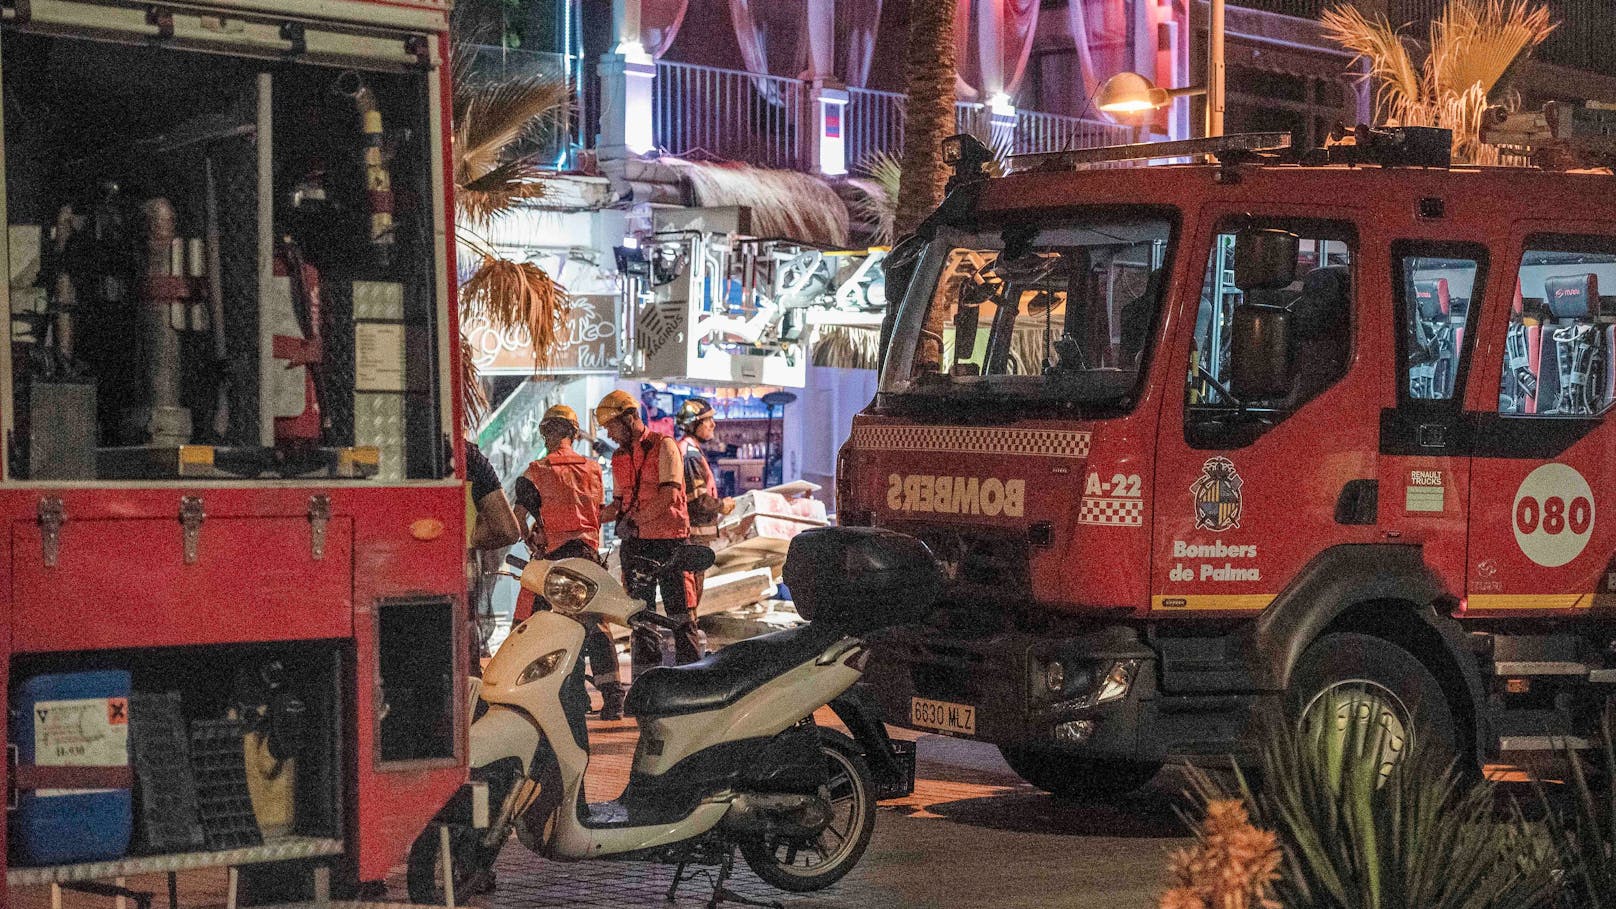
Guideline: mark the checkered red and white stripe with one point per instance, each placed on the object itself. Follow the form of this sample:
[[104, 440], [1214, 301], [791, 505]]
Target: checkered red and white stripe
[[1111, 512], [1045, 443]]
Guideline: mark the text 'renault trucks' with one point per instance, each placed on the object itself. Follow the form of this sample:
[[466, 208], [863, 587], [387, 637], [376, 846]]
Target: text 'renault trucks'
[[232, 580], [1199, 444]]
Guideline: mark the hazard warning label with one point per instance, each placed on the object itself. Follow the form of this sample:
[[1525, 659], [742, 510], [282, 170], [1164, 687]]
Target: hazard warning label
[[90, 732]]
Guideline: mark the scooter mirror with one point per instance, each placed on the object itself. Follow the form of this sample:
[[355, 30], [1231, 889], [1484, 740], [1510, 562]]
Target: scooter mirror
[[693, 558]]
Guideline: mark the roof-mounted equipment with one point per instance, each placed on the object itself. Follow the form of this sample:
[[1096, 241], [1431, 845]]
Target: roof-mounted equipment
[[1225, 149], [1561, 136], [1387, 146], [966, 156]]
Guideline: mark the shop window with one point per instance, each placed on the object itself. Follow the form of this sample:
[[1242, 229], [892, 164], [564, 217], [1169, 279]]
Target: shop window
[[1312, 316], [218, 270], [1560, 347], [1436, 290]]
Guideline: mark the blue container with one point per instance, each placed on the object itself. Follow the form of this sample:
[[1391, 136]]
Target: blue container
[[74, 719]]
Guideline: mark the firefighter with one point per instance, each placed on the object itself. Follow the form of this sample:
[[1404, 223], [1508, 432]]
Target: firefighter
[[695, 420], [491, 527], [563, 492], [648, 504]]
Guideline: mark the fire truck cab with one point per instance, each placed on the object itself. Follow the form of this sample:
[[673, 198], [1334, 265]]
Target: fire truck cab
[[1198, 444]]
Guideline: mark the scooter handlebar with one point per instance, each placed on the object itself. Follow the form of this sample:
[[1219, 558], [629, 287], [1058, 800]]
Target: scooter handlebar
[[658, 619], [516, 562]]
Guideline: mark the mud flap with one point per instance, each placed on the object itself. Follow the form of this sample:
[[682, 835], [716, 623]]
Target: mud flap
[[891, 763]]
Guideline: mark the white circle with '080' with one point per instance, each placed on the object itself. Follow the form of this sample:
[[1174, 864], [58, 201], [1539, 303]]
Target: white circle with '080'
[[1553, 515]]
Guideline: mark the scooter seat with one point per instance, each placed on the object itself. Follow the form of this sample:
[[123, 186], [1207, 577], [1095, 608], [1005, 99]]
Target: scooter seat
[[728, 675]]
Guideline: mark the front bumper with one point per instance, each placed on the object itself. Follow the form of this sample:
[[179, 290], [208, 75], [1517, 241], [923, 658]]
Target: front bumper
[[1006, 678]]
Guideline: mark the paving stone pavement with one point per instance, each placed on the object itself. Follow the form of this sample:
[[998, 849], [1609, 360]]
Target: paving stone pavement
[[972, 835]]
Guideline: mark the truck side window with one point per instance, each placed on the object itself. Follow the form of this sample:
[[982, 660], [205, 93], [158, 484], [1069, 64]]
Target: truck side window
[[1436, 288], [1317, 309], [1560, 348]]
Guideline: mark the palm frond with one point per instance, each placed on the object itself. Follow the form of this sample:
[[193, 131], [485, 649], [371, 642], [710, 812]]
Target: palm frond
[[1473, 43], [479, 200], [784, 203], [879, 204], [491, 115], [509, 294], [473, 400], [1377, 42]]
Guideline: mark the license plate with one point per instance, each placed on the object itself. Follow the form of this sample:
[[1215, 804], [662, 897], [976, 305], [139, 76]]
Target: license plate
[[943, 715]]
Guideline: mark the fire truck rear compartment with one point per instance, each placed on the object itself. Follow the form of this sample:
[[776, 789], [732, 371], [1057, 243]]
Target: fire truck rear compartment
[[199, 716], [126, 167]]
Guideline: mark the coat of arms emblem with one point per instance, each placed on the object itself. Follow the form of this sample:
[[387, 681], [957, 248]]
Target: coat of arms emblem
[[1217, 495]]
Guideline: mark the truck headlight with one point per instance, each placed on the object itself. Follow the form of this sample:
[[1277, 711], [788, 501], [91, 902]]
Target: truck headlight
[[1117, 681], [568, 593], [1055, 677]]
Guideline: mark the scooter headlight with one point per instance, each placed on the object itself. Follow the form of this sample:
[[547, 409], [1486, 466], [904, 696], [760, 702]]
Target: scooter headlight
[[567, 593], [541, 667]]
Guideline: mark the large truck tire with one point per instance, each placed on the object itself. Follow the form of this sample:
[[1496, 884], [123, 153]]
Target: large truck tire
[[1078, 779], [1379, 682]]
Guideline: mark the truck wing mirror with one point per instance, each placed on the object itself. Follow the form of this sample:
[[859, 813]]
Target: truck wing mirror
[[1259, 354], [1264, 258]]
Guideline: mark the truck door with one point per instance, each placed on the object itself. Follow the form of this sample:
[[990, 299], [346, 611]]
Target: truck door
[[1437, 289], [1541, 524], [1252, 482]]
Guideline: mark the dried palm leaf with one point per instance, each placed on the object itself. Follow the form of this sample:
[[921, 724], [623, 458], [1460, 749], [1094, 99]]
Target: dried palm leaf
[[480, 200], [1377, 42], [1473, 43], [473, 399], [784, 203], [491, 115], [520, 295]]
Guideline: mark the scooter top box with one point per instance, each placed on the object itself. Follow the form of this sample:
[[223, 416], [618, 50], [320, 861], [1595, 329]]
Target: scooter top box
[[861, 579]]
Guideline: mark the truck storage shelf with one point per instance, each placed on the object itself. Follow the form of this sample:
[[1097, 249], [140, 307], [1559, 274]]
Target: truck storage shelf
[[277, 850]]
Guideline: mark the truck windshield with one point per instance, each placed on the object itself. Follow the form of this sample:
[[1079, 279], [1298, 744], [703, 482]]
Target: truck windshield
[[1062, 311]]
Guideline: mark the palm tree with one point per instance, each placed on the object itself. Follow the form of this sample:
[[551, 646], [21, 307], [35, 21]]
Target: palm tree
[[1473, 43], [929, 115], [491, 118]]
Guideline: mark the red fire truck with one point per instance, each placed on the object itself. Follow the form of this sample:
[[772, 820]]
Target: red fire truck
[[231, 470], [1201, 443]]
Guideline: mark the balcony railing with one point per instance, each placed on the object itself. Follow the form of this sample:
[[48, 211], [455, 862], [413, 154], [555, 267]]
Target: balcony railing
[[730, 114], [1036, 132], [873, 122]]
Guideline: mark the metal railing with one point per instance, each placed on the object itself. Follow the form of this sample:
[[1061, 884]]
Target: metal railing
[[703, 110], [872, 122], [1038, 132]]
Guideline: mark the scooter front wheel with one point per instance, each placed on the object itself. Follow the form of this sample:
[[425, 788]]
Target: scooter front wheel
[[803, 865], [472, 863]]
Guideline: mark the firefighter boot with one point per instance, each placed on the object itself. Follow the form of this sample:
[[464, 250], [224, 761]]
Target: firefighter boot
[[611, 700]]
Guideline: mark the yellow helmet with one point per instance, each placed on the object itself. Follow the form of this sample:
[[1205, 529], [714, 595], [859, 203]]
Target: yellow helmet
[[563, 413], [691, 412], [614, 405]]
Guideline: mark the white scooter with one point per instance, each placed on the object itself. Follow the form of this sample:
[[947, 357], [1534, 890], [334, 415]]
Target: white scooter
[[729, 756]]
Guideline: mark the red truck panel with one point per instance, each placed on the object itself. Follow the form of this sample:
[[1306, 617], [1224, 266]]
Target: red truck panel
[[125, 583]]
